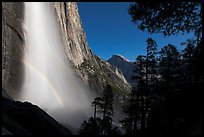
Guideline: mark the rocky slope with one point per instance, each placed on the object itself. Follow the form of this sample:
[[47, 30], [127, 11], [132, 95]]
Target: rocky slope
[[125, 66], [98, 76], [26, 119]]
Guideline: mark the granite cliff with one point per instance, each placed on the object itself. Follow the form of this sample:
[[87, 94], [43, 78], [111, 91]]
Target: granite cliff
[[75, 46], [12, 46], [74, 38], [86, 64], [94, 71]]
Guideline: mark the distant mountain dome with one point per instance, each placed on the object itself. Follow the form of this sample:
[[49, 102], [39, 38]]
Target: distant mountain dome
[[122, 57], [125, 66]]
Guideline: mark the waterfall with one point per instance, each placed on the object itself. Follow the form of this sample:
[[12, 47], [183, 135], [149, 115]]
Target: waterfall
[[49, 80]]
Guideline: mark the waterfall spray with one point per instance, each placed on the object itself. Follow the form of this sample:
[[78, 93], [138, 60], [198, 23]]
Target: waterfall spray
[[49, 80]]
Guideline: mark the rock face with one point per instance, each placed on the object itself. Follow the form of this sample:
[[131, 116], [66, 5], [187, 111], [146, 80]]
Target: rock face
[[5, 95], [12, 45], [98, 76], [86, 64], [73, 35], [75, 46], [125, 66]]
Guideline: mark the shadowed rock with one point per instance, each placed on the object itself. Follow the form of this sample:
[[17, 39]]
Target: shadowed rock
[[24, 118]]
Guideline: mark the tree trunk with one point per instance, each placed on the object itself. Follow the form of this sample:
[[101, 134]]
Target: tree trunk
[[104, 112], [95, 112], [143, 114]]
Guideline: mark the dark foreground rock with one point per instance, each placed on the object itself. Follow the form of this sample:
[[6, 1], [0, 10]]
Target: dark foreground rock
[[24, 118]]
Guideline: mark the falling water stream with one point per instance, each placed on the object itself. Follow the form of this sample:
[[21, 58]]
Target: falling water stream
[[49, 80]]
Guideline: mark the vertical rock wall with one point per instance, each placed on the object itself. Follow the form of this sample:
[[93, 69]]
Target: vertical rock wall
[[74, 44], [73, 35], [12, 45]]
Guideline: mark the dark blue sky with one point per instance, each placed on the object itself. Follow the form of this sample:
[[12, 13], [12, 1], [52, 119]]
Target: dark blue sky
[[109, 31]]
